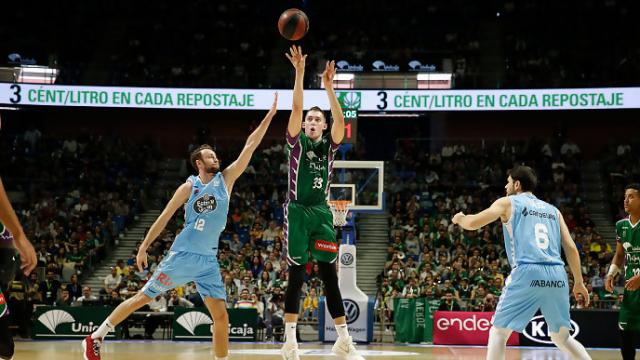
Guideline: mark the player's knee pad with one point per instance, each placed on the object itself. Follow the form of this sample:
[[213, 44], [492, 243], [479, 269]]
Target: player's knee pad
[[329, 276], [292, 295]]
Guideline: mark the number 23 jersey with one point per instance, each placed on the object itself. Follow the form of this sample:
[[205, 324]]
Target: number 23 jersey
[[310, 168], [205, 216]]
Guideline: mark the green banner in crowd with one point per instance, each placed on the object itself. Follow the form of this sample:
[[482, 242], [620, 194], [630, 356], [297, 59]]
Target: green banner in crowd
[[192, 324], [413, 319], [78, 322], [68, 322]]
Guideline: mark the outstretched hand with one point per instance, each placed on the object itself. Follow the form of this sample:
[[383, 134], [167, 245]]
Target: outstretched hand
[[274, 107], [329, 73], [296, 57]]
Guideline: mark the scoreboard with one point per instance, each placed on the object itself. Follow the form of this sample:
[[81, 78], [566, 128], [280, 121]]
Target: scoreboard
[[350, 126]]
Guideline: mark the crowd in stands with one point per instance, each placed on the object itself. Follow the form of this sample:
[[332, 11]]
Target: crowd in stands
[[76, 197], [430, 257], [486, 46], [79, 212], [553, 56], [620, 168]]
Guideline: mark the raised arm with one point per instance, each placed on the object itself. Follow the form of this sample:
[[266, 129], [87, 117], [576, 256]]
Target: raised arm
[[500, 208], [233, 171], [573, 258], [337, 128], [10, 220], [295, 119], [179, 198]]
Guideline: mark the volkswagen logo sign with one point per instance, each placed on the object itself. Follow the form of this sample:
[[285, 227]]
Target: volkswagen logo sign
[[538, 331], [346, 259], [351, 310]]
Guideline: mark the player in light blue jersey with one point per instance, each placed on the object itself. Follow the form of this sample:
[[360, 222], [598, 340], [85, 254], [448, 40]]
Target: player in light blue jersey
[[193, 254], [534, 232]]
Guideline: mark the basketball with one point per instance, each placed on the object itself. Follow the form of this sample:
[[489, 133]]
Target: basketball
[[293, 24]]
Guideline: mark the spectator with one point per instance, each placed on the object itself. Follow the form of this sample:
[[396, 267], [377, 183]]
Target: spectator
[[245, 301], [246, 284], [111, 282], [259, 307], [87, 297], [256, 266], [74, 288], [411, 290], [570, 148], [270, 234], [580, 303], [310, 305], [449, 303], [489, 303], [132, 258], [34, 296], [151, 322], [175, 300], [235, 244], [65, 298], [49, 288], [114, 299], [121, 269], [412, 243], [275, 307]]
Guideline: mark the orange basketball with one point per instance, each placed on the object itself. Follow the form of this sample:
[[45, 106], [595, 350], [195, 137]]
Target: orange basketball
[[293, 24]]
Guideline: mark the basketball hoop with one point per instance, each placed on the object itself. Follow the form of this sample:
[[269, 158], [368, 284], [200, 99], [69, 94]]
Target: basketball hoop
[[339, 209]]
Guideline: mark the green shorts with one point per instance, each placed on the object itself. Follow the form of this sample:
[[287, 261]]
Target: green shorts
[[629, 317], [308, 231]]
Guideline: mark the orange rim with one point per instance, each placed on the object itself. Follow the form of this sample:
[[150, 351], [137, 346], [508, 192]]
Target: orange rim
[[340, 204]]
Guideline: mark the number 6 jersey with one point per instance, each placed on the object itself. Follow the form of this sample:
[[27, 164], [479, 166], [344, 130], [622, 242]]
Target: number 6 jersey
[[205, 216], [310, 167], [532, 234]]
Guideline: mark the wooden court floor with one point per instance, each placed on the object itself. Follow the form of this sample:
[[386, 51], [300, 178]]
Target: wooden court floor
[[164, 350]]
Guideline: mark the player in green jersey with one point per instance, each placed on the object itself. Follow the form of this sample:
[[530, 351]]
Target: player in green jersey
[[308, 224], [628, 253]]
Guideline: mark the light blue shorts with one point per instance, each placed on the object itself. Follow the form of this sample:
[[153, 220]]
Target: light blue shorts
[[531, 287], [179, 268]]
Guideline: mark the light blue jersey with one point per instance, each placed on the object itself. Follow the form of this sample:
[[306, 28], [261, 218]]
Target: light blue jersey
[[193, 254], [205, 217], [538, 280], [532, 234]]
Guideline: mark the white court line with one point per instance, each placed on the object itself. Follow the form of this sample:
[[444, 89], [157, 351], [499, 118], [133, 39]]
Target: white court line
[[321, 352]]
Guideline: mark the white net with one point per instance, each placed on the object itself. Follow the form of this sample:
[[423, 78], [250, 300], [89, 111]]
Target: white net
[[339, 209]]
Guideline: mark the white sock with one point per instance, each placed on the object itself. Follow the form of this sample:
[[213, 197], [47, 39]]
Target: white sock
[[343, 331], [103, 330], [497, 343], [569, 345], [290, 332]]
